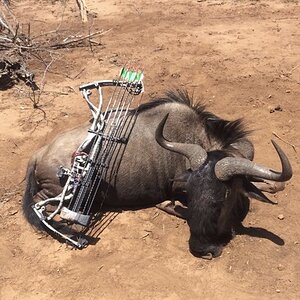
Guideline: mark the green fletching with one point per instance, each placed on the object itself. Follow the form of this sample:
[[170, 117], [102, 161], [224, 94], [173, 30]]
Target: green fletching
[[127, 76], [131, 76], [123, 72], [139, 76]]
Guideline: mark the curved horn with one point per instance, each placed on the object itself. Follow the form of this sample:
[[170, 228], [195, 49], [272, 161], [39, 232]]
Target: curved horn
[[194, 153], [230, 166]]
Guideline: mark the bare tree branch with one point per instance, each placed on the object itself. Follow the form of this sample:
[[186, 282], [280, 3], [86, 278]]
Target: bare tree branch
[[83, 10], [288, 143]]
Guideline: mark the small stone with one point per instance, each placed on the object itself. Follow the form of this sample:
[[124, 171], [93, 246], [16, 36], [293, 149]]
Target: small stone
[[175, 75], [280, 267], [12, 212], [270, 96], [288, 91], [277, 290], [159, 48], [280, 217], [272, 109]]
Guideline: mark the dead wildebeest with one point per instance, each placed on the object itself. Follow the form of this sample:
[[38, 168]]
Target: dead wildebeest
[[174, 147]]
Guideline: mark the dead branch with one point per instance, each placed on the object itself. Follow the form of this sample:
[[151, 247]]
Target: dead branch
[[83, 10], [5, 25], [42, 85], [37, 94], [76, 41], [10, 43], [17, 46], [288, 143]]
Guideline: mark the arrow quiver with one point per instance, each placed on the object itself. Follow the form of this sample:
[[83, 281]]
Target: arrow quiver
[[93, 160]]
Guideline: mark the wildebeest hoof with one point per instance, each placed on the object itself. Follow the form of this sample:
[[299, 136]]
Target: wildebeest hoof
[[165, 204], [208, 256], [171, 208]]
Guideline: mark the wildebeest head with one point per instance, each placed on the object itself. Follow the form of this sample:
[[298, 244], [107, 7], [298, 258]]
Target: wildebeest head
[[218, 185]]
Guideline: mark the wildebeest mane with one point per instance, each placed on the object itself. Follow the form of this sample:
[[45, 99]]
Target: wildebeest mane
[[226, 132]]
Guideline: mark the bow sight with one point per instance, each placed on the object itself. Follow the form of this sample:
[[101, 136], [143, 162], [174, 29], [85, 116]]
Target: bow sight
[[93, 158]]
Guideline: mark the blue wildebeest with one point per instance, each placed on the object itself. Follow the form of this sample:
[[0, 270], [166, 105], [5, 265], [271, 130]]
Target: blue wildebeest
[[175, 147]]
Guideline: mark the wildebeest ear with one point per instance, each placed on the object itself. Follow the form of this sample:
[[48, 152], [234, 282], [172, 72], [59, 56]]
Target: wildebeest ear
[[183, 177], [250, 190]]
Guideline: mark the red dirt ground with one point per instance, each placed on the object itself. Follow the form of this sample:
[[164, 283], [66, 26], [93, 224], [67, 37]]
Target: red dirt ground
[[243, 59]]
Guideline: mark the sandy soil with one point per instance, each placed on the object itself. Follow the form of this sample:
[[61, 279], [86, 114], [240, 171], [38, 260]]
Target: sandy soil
[[242, 58]]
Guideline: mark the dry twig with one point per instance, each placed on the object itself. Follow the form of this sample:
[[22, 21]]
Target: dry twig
[[77, 40], [288, 143], [83, 10], [17, 45], [36, 94]]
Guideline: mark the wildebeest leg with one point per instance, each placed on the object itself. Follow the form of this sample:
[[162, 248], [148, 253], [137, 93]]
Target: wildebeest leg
[[270, 186], [174, 208]]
